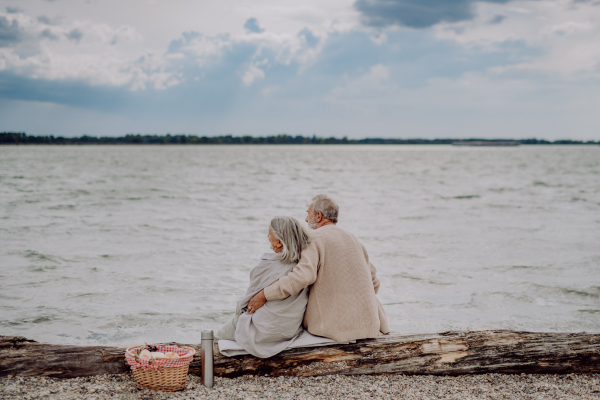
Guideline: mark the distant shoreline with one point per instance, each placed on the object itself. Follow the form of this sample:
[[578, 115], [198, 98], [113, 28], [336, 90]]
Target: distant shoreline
[[20, 138]]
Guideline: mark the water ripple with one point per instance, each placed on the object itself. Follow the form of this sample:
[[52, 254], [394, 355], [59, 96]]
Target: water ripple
[[111, 244]]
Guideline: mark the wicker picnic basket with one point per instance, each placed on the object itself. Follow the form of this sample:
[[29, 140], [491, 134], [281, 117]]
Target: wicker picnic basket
[[164, 374]]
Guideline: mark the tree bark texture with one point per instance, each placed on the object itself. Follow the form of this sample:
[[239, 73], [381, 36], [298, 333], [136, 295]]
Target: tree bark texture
[[448, 353]]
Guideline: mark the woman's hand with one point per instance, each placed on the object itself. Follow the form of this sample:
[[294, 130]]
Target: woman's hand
[[257, 301]]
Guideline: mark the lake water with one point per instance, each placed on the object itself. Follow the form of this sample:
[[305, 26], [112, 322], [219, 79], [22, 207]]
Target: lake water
[[126, 244]]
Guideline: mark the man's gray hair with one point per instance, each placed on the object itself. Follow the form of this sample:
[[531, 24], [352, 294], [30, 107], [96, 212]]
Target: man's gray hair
[[293, 237], [326, 206]]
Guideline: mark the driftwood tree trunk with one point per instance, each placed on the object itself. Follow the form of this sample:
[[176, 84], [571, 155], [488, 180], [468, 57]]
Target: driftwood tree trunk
[[449, 353]]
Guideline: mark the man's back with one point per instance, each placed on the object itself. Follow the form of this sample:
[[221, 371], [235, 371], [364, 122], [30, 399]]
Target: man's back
[[342, 304]]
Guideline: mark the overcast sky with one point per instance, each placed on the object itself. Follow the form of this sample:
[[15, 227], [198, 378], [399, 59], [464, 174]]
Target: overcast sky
[[358, 68]]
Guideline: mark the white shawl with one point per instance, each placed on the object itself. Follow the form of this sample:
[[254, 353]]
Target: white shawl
[[276, 325]]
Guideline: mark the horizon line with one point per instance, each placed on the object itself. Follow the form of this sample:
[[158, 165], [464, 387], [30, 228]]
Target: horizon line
[[285, 139]]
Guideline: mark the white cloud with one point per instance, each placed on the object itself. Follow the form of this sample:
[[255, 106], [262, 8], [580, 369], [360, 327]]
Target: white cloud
[[252, 73], [379, 38], [106, 38], [80, 50], [202, 48], [570, 27], [282, 48], [126, 34], [99, 42], [567, 34]]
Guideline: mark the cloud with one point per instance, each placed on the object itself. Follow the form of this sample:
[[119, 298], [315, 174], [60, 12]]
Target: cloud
[[186, 38], [47, 33], [84, 51], [553, 37], [310, 39], [570, 27], [80, 51], [44, 20], [497, 19], [126, 34], [252, 73], [74, 35], [415, 13], [252, 26], [73, 93], [255, 54], [9, 32], [13, 10]]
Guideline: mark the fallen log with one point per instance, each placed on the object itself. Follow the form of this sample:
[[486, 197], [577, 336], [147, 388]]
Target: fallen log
[[448, 353]]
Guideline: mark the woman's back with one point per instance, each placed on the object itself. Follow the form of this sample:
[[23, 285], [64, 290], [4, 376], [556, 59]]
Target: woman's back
[[278, 323]]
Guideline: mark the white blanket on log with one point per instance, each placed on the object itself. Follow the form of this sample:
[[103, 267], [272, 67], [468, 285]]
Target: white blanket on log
[[230, 348]]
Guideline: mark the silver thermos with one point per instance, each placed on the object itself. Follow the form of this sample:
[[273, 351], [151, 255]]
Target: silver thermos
[[207, 356]]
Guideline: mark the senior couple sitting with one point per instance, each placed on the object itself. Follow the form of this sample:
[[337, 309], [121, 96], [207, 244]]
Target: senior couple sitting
[[321, 280]]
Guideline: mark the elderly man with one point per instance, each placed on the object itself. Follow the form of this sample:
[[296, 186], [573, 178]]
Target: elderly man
[[342, 304]]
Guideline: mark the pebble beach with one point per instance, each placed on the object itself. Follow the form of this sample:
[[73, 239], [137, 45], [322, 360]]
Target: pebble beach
[[488, 386]]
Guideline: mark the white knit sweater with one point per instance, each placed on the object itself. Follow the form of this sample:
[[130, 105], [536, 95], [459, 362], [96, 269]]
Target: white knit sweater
[[342, 304]]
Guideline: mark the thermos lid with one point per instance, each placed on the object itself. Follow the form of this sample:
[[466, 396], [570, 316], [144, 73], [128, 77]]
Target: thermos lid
[[207, 335]]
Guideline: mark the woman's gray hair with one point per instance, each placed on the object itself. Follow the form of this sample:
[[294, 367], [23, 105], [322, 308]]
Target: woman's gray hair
[[326, 206], [293, 237]]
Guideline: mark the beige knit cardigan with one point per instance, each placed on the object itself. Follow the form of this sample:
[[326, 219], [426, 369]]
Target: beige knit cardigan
[[342, 304]]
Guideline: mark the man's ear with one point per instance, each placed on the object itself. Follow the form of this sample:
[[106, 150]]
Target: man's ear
[[319, 217]]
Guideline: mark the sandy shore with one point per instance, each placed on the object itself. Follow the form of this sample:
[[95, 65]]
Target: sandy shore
[[489, 386]]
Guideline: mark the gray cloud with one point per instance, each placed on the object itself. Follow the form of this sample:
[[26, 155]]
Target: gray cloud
[[44, 20], [497, 19], [68, 92], [47, 33], [252, 26], [74, 35], [9, 32], [415, 13], [13, 10]]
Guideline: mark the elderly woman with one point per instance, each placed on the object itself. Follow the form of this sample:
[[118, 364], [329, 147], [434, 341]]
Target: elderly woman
[[275, 326]]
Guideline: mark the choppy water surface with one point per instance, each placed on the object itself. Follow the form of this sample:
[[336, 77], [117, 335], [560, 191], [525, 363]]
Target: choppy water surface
[[142, 243]]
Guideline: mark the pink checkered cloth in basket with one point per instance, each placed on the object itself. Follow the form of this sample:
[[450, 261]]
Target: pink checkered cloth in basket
[[146, 363]]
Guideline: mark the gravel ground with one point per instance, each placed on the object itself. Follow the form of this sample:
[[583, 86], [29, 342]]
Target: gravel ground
[[490, 386]]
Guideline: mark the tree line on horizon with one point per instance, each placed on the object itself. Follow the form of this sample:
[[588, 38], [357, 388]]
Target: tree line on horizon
[[23, 138]]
